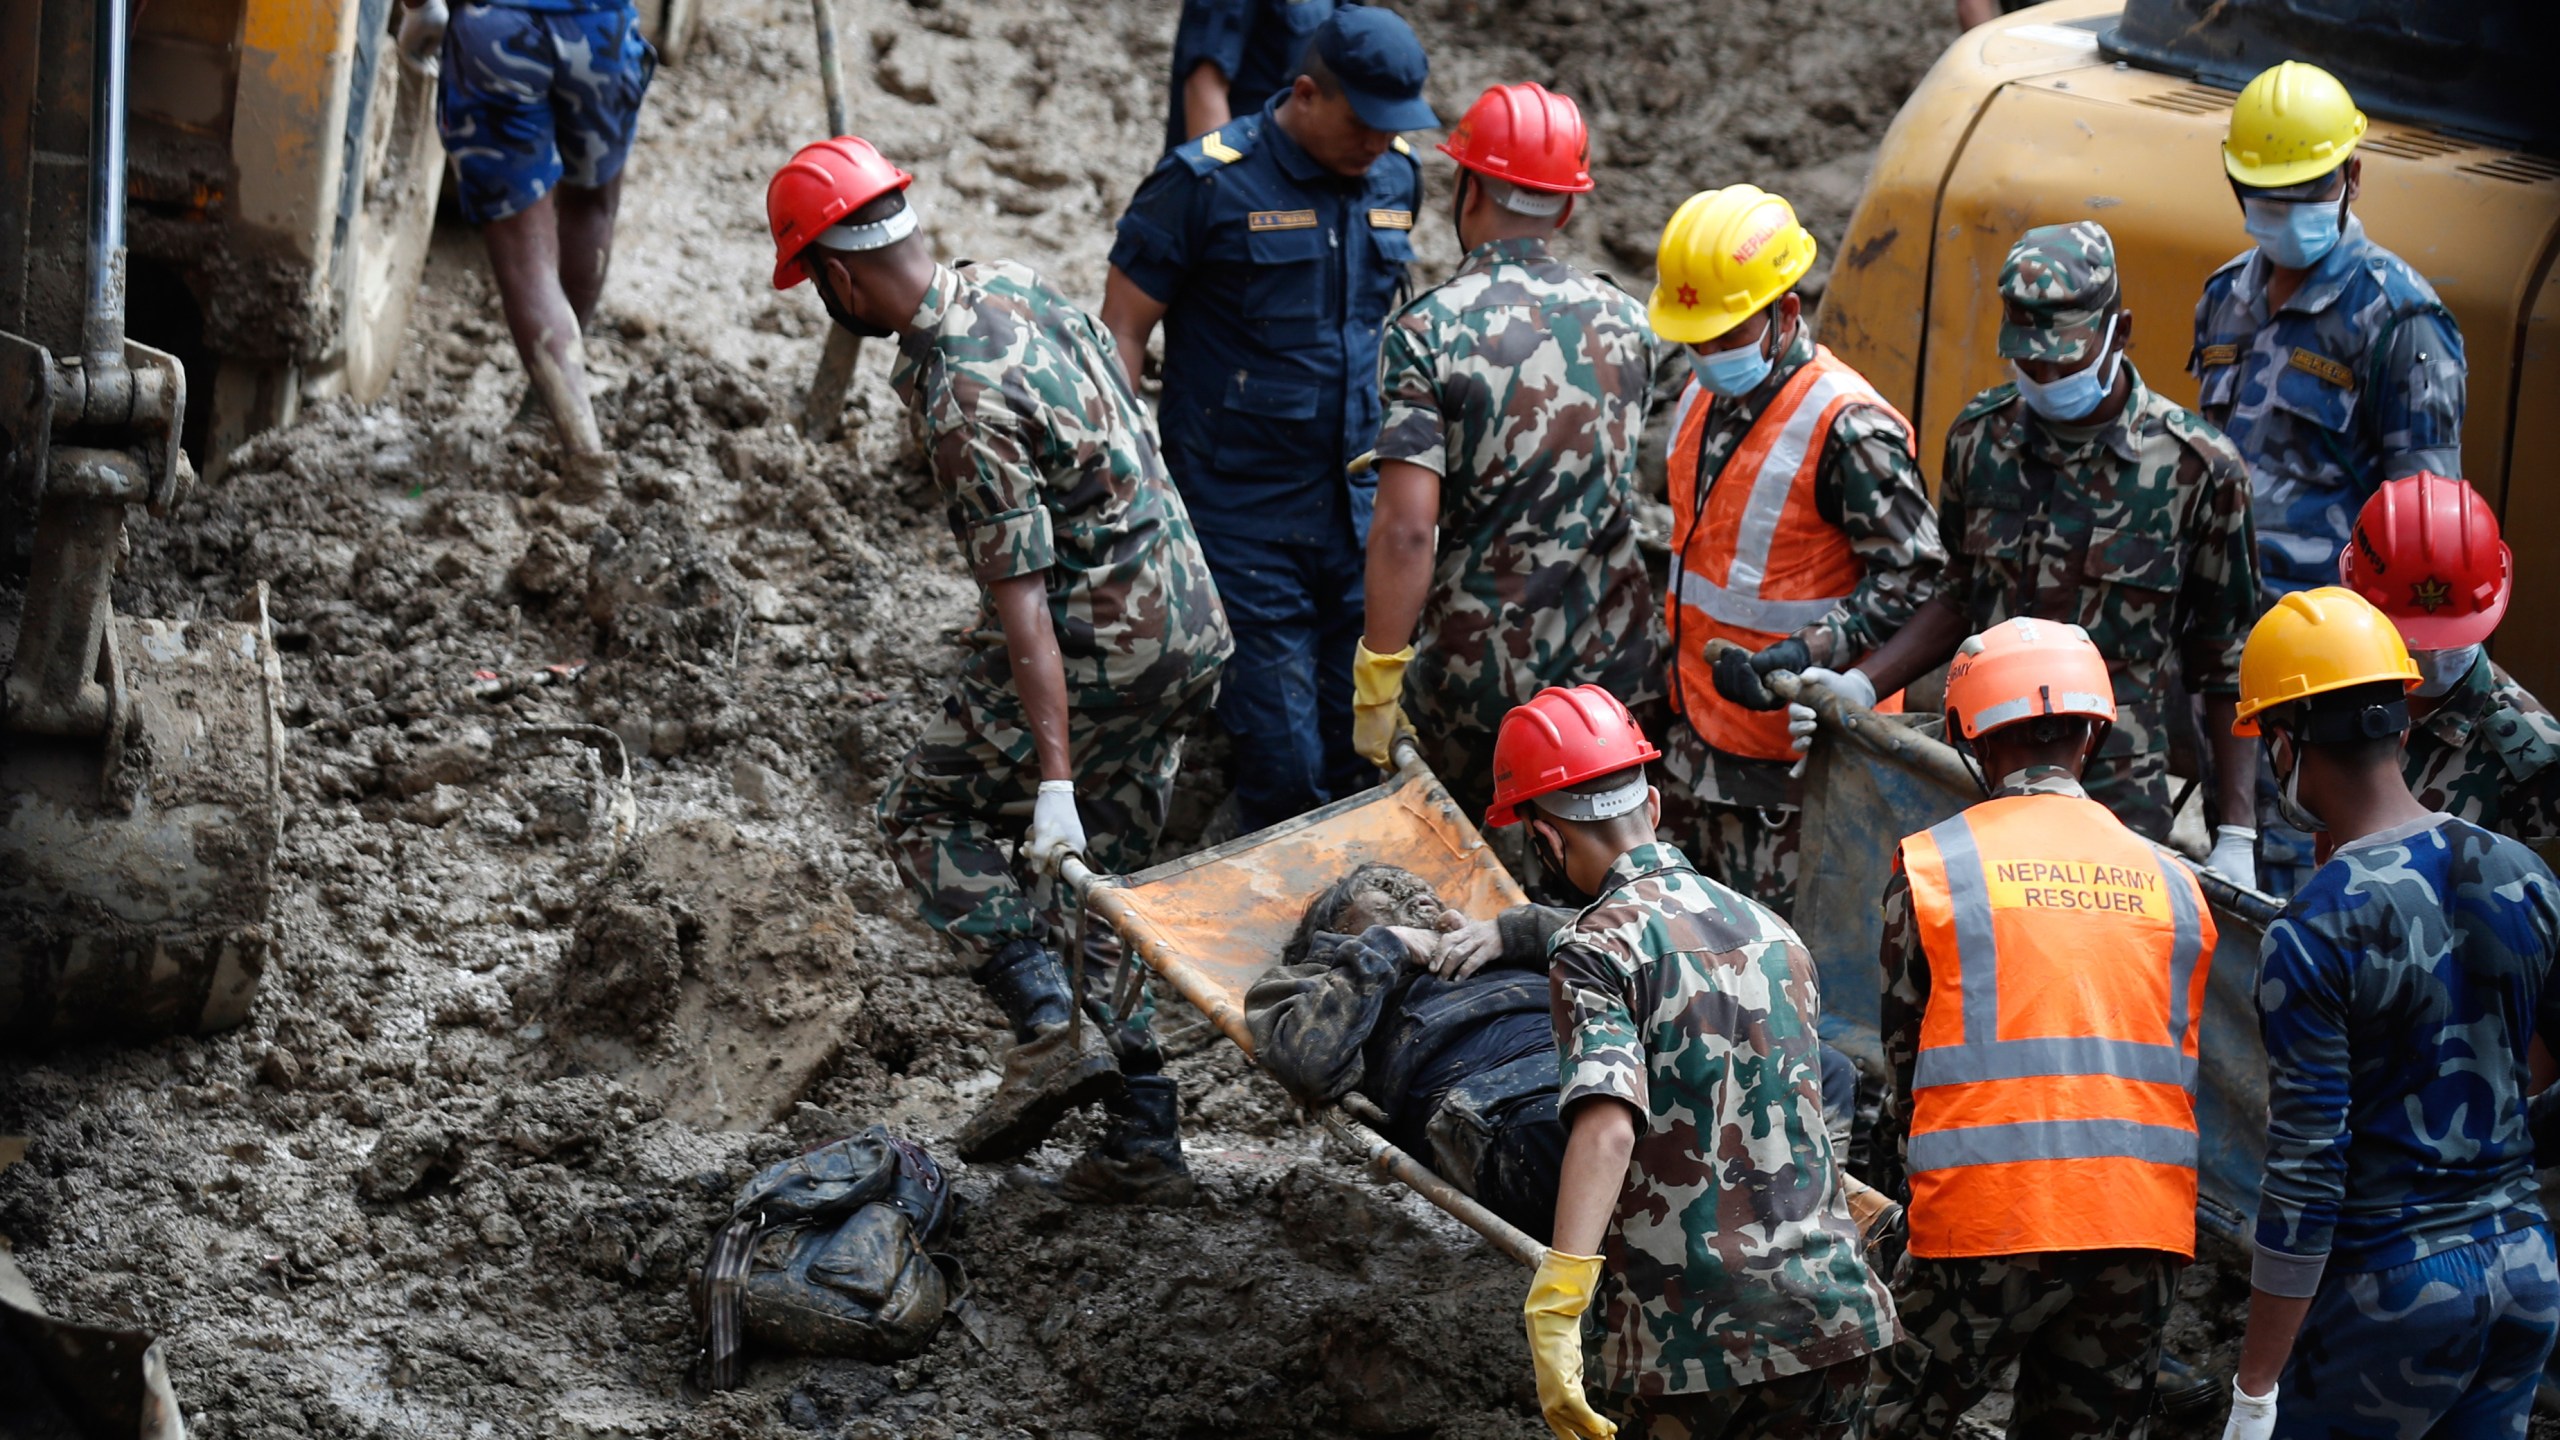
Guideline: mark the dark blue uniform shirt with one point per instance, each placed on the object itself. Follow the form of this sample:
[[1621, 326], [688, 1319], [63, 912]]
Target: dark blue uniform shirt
[[1279, 275], [1256, 43]]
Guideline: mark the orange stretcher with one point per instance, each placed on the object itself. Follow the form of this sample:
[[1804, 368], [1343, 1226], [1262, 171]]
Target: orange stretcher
[[1212, 922]]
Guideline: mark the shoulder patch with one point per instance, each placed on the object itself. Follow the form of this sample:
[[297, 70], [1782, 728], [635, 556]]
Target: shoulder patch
[[2212, 355], [2311, 362], [1216, 148], [1220, 147], [2525, 746], [1401, 147]]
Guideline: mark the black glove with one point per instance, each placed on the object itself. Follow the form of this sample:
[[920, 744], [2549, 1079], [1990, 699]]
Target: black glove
[[1738, 675]]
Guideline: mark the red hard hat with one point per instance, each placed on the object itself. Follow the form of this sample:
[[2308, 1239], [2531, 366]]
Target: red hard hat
[[2022, 668], [823, 183], [1526, 134], [1561, 738], [2426, 552]]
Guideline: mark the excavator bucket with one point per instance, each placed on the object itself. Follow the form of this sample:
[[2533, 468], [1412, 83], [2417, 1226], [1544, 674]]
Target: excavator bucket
[[138, 758]]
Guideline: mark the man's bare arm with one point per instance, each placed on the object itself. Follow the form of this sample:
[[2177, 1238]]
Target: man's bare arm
[[1925, 641], [1402, 534], [2235, 763], [1039, 674], [1601, 1136], [1131, 315], [1204, 100]]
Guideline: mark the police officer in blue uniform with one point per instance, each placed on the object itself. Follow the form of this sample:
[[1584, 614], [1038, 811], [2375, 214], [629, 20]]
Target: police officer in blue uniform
[[1272, 249], [1229, 56]]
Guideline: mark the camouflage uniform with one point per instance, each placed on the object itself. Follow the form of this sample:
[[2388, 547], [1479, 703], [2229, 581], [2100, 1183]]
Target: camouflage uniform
[[2356, 379], [2137, 530], [2085, 1327], [2397, 995], [1730, 1260], [1521, 383], [1047, 464], [2489, 753], [1740, 813]]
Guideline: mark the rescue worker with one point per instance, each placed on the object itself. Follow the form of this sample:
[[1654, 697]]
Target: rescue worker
[[2326, 358], [2077, 493], [1096, 650], [1272, 249], [2044, 991], [1800, 527], [2399, 994], [537, 103], [2426, 552], [1229, 56], [1514, 399], [1701, 1201]]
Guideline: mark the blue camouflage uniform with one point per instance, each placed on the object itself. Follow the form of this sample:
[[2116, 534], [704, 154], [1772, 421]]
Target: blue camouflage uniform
[[2356, 379], [2397, 995], [536, 94], [1279, 275], [1256, 43]]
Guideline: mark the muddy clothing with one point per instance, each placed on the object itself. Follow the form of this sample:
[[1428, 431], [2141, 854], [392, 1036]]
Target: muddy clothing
[[535, 94], [1458, 1066], [2452, 1344], [1731, 1258], [2084, 1328], [1521, 383], [2137, 531], [2489, 753], [1047, 465], [1256, 44], [2397, 994], [1817, 1405]]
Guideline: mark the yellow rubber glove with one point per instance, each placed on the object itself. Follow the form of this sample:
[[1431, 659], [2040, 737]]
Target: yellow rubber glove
[[1377, 682], [1557, 1297]]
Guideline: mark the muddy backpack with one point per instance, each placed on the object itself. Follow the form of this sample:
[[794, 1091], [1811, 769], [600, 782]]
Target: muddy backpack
[[826, 1254]]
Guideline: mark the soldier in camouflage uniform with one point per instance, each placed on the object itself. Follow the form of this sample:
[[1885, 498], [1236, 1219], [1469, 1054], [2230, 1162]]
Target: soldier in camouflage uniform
[[1096, 650], [1700, 1201], [2327, 359], [2125, 514], [2400, 995], [1514, 398]]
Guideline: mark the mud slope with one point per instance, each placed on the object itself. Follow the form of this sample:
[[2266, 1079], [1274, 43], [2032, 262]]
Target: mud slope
[[529, 1028]]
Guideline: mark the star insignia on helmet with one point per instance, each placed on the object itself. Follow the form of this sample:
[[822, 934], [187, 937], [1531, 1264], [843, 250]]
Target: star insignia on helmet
[[1689, 297], [2431, 594]]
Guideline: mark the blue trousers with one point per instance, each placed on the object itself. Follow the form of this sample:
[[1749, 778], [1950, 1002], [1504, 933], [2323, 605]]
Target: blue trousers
[[1297, 611], [2449, 1347]]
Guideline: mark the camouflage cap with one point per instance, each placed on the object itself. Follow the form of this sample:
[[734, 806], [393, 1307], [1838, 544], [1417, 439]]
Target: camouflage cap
[[2056, 291]]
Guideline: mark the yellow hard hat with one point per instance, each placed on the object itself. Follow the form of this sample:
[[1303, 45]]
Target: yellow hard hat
[[2291, 124], [2315, 641], [1725, 254]]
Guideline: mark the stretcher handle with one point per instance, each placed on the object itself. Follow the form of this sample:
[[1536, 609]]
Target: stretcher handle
[[1423, 1181], [1937, 761]]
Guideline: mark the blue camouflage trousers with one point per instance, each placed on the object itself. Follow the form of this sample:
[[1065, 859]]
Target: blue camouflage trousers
[[2448, 1347], [533, 99]]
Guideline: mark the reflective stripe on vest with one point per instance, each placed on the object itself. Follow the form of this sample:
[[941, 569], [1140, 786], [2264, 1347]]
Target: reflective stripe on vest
[[1769, 527], [2054, 1111]]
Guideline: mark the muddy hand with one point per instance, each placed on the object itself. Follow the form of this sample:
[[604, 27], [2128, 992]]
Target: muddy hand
[[1467, 950]]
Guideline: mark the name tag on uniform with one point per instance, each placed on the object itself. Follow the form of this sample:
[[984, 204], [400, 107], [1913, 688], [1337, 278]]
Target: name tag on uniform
[[2324, 367], [2213, 355], [1390, 219], [1281, 220]]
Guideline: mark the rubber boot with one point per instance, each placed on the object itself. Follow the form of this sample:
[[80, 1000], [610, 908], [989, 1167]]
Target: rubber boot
[[1138, 1160], [1053, 1066]]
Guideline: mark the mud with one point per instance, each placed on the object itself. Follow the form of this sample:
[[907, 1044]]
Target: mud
[[584, 914]]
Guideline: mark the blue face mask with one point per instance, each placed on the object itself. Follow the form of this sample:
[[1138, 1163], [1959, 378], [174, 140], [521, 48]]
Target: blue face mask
[[2293, 233], [2075, 395], [1737, 371]]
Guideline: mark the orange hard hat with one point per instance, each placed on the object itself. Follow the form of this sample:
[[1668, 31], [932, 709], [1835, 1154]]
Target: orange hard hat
[[823, 183], [2020, 669], [2426, 552], [1561, 738], [1526, 134]]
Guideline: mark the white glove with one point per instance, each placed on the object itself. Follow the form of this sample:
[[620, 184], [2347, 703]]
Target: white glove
[[2253, 1417], [1853, 687], [422, 31], [1056, 830], [2235, 855]]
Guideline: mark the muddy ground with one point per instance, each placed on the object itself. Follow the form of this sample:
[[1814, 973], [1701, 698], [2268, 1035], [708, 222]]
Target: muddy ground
[[514, 1055]]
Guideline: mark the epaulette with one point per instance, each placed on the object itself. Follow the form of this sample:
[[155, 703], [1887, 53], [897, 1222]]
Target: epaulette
[[2201, 435], [1225, 145], [1993, 399], [2518, 741], [1401, 148]]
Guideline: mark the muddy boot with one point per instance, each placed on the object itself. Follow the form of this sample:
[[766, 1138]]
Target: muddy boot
[[1053, 1067], [1138, 1161]]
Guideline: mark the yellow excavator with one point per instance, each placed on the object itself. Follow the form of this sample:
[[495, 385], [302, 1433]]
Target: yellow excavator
[[2114, 111]]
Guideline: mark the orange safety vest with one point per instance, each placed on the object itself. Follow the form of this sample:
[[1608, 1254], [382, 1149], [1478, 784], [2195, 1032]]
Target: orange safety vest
[[1755, 562], [2053, 1106]]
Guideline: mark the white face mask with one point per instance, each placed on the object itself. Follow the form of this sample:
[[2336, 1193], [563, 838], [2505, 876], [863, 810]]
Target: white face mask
[[2288, 795], [2440, 670]]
